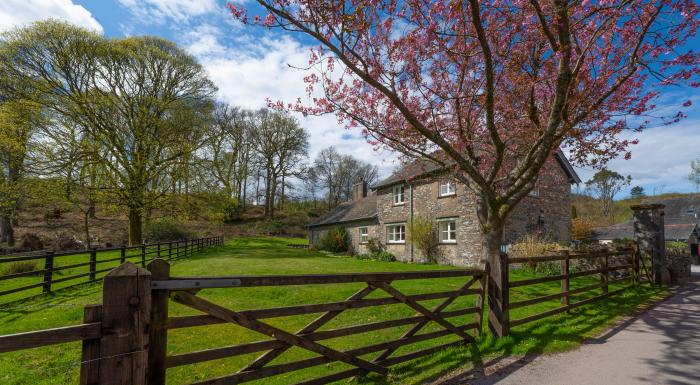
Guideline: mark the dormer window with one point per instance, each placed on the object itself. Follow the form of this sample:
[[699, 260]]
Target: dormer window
[[398, 195], [447, 188], [690, 211]]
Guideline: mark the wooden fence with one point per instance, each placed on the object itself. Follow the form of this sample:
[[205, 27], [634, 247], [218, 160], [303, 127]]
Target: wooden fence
[[627, 266], [86, 265], [125, 338]]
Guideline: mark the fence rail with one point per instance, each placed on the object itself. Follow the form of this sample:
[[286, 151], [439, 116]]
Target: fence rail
[[180, 290], [125, 338], [89, 264], [117, 344], [632, 266]]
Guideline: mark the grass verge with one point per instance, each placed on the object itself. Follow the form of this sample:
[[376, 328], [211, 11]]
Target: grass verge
[[264, 256]]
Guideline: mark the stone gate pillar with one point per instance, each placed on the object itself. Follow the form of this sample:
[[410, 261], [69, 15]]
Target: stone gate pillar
[[649, 236]]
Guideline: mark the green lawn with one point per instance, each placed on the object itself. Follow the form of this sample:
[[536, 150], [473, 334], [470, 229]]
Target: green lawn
[[251, 256]]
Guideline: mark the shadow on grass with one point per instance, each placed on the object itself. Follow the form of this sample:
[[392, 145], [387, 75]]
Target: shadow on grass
[[562, 332]]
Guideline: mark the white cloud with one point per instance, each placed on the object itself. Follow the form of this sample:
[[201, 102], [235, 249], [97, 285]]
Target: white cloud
[[15, 13], [158, 11], [251, 69], [661, 160]]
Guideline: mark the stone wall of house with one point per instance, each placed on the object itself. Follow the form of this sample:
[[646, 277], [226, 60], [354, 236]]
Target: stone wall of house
[[353, 230], [546, 212], [424, 196]]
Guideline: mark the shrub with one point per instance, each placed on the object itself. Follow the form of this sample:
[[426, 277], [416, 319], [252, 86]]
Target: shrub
[[423, 236], [383, 256], [20, 267], [163, 230], [335, 240], [532, 246], [677, 247], [374, 246], [581, 229]]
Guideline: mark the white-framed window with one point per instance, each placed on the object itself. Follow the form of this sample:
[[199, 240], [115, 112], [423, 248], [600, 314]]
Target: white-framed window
[[447, 229], [364, 234], [447, 188], [398, 195], [396, 233]]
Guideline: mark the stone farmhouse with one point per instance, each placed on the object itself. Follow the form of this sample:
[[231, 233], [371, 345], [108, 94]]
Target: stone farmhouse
[[422, 188]]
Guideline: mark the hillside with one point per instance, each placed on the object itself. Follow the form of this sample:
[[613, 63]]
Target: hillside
[[591, 209], [109, 227]]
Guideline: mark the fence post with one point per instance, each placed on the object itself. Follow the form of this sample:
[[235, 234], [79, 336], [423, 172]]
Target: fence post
[[604, 274], [90, 367], [93, 264], [564, 271], [143, 255], [126, 308], [635, 264], [48, 272], [122, 255], [158, 337], [158, 251], [186, 244], [499, 313], [480, 300], [170, 251]]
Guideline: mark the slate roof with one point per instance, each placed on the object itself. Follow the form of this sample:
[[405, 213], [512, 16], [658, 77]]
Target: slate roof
[[365, 208], [680, 209], [420, 167], [672, 231]]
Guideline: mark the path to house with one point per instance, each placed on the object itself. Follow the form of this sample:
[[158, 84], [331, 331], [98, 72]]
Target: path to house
[[661, 346]]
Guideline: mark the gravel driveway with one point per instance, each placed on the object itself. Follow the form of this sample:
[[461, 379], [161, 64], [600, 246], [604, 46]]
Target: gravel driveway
[[661, 346]]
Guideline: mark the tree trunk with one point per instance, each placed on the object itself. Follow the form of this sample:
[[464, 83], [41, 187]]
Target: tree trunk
[[498, 278], [7, 232], [135, 226], [91, 210], [86, 224]]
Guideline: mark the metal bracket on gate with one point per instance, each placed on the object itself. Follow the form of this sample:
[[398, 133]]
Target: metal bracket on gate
[[185, 284]]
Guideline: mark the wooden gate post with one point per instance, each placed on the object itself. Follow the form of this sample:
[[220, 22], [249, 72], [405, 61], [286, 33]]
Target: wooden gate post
[[498, 299], [90, 361], [143, 255], [158, 336], [126, 317]]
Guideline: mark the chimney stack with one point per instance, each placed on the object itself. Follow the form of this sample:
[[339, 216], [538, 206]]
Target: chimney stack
[[359, 190]]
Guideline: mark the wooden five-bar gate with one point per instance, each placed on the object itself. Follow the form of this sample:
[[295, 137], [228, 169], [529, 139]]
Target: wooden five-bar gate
[[125, 338]]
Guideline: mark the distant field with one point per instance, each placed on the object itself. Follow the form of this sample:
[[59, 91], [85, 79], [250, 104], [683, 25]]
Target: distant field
[[253, 256]]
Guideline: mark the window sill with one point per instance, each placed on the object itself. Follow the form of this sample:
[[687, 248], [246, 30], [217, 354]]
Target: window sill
[[400, 204], [396, 243], [447, 195], [447, 242]]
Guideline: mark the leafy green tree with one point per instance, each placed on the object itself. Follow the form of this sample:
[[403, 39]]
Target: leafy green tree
[[605, 184], [142, 100], [19, 119], [694, 175], [280, 145], [637, 192]]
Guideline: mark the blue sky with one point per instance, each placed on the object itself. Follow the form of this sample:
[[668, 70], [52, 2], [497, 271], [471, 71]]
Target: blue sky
[[249, 65]]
